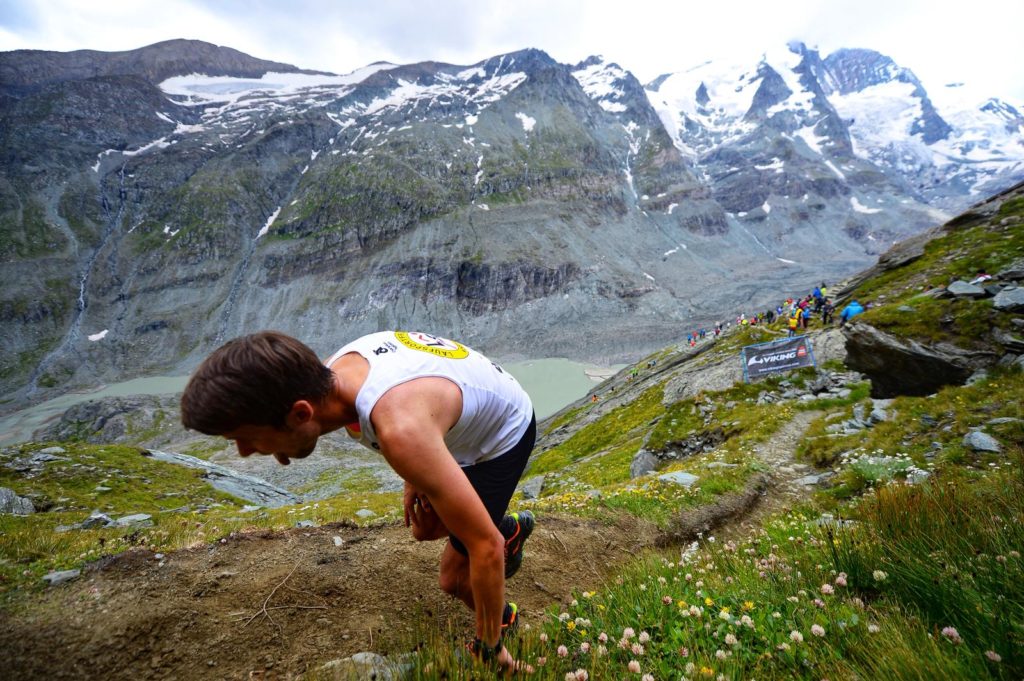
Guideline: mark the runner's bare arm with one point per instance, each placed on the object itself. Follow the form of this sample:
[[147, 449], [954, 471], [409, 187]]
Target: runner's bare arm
[[411, 420]]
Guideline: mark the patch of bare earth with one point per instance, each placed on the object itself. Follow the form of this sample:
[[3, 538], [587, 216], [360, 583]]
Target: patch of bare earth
[[281, 603]]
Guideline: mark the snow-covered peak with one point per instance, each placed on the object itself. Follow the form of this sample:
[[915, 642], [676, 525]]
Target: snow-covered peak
[[199, 87], [603, 83]]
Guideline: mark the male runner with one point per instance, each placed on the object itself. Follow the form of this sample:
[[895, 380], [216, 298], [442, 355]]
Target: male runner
[[455, 426]]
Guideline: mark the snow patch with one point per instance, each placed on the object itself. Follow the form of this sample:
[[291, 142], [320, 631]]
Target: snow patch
[[861, 208], [527, 121], [99, 336], [788, 262], [270, 221]]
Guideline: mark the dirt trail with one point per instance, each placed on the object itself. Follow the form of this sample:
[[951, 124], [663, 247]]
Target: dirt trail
[[135, 618], [783, 490], [197, 613]]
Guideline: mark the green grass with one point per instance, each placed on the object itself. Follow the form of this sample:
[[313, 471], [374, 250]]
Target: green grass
[[185, 511]]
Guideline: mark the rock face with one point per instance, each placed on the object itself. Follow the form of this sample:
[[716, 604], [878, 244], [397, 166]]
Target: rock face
[[242, 486], [148, 215], [905, 367]]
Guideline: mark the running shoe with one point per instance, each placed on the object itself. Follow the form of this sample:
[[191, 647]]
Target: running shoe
[[509, 620], [516, 528]]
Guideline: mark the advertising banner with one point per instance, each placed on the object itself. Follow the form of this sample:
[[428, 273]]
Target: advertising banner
[[781, 355]]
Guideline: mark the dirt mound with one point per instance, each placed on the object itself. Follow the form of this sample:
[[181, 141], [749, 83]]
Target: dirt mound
[[281, 603]]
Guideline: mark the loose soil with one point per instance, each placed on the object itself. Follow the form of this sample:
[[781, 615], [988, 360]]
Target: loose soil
[[278, 604], [198, 613]]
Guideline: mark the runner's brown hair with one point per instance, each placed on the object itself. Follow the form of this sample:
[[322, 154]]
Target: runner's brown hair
[[253, 380]]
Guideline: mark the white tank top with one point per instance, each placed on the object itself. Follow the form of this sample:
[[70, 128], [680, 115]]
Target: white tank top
[[496, 411]]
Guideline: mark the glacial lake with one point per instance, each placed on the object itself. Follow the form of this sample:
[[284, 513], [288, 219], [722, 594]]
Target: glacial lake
[[551, 383]]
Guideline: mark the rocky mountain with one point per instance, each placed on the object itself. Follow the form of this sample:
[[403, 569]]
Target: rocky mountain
[[526, 207]]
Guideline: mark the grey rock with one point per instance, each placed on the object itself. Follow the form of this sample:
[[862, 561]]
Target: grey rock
[[720, 464], [61, 577], [306, 523], [1018, 322], [843, 393], [13, 504], [644, 462], [834, 428], [134, 520], [977, 377], [681, 478], [807, 398], [246, 487], [905, 308], [1008, 340], [1013, 272], [52, 451], [877, 415], [978, 441], [810, 480], [858, 412], [365, 513], [532, 487], [366, 666], [101, 488], [96, 519], [898, 366], [917, 476], [1009, 300], [928, 420], [43, 457], [1003, 419], [961, 289]]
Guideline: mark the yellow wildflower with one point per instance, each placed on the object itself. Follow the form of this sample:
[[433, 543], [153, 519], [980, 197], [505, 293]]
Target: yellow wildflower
[[708, 601], [748, 605], [570, 625]]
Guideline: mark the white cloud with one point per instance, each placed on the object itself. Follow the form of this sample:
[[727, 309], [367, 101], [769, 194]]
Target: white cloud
[[979, 44]]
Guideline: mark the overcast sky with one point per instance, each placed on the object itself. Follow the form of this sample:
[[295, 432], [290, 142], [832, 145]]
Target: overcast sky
[[973, 41]]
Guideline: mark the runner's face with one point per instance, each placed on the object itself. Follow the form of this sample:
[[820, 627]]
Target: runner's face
[[282, 443]]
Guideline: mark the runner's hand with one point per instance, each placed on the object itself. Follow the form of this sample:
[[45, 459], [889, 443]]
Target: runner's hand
[[510, 664]]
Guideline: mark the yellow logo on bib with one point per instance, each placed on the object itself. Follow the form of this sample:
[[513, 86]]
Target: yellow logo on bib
[[435, 345]]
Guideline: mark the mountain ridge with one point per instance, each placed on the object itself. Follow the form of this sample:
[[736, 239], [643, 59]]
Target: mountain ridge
[[519, 204]]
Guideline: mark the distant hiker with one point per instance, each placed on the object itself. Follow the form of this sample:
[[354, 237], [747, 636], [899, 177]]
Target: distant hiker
[[980, 277], [824, 290], [827, 310], [456, 427], [805, 317], [849, 312], [593, 398], [794, 322]]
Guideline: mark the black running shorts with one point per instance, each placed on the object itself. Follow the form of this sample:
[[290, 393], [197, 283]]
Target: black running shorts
[[495, 480]]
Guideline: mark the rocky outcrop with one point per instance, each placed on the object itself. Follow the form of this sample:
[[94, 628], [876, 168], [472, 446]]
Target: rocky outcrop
[[243, 486], [898, 366]]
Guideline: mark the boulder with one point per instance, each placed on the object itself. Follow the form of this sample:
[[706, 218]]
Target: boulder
[[1009, 300], [60, 577], [1014, 272], [898, 366], [134, 520], [1008, 340], [981, 442], [961, 289], [679, 478], [531, 487], [643, 463], [96, 519], [366, 667], [365, 513], [13, 504]]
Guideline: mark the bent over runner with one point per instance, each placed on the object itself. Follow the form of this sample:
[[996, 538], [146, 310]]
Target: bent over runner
[[454, 425]]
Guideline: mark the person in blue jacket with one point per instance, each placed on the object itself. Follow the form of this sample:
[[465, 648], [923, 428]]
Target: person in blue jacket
[[850, 311]]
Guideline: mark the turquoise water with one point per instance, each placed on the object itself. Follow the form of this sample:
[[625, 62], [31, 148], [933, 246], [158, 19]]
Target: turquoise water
[[551, 383]]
